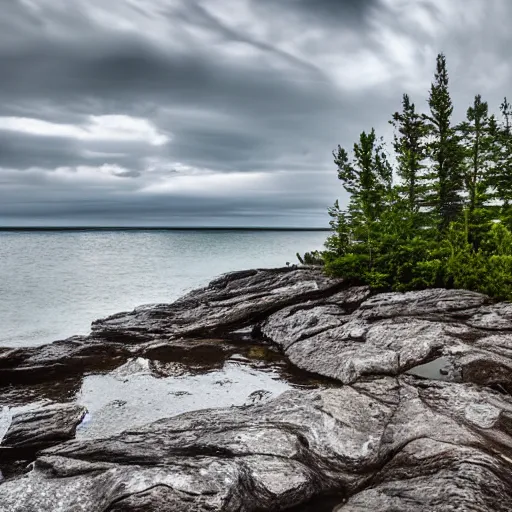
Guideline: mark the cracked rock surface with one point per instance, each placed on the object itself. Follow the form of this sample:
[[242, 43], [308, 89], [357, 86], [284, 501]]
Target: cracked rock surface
[[417, 415], [43, 427], [389, 334]]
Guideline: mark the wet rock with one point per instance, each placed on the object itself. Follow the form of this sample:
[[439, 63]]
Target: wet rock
[[40, 428], [420, 418], [231, 302], [434, 303], [429, 475], [401, 437], [260, 395], [59, 359], [392, 333], [494, 317]]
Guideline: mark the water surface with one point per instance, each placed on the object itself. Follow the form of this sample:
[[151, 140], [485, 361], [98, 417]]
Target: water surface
[[54, 284], [211, 373]]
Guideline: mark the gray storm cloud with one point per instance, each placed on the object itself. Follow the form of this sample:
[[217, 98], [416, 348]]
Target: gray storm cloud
[[218, 112]]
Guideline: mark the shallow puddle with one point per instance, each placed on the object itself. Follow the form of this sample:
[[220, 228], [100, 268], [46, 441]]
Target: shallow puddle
[[438, 369], [130, 398], [168, 381]]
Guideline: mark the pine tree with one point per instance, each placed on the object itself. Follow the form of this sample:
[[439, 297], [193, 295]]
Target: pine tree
[[454, 178], [476, 140], [410, 152], [444, 150], [339, 242], [367, 177], [506, 111], [503, 174]]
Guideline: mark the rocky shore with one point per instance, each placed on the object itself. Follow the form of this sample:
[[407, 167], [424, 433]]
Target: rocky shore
[[393, 402]]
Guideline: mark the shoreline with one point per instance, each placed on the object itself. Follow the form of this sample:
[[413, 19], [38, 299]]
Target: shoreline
[[415, 403]]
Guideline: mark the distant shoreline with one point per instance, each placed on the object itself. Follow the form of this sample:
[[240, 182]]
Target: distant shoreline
[[151, 228]]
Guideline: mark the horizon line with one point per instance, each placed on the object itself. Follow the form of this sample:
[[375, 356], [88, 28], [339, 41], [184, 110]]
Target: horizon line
[[159, 228]]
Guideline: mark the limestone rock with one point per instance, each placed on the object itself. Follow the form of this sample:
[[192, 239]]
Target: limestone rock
[[398, 437], [392, 333], [230, 302]]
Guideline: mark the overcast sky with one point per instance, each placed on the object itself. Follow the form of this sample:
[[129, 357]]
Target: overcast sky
[[217, 112]]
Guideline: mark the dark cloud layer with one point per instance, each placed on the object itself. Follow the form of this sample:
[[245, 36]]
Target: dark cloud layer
[[180, 112]]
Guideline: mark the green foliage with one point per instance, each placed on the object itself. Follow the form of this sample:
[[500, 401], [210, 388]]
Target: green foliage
[[351, 266], [366, 177], [476, 145], [340, 239], [503, 161], [410, 148], [488, 270], [447, 220], [311, 258], [444, 150]]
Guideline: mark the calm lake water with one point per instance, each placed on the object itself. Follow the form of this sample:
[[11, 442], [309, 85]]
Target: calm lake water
[[54, 284]]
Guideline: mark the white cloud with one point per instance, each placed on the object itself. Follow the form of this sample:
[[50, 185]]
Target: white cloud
[[120, 128], [194, 182]]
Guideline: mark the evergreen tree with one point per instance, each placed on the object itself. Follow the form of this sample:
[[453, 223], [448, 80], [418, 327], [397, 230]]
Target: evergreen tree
[[367, 177], [506, 111], [478, 142], [377, 239], [503, 174], [410, 152], [477, 147], [444, 150], [338, 243]]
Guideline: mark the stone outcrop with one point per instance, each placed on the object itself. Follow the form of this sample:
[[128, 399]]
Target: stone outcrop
[[43, 427], [389, 334], [230, 302], [379, 437]]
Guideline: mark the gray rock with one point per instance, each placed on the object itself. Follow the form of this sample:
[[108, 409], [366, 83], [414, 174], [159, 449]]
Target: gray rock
[[494, 317], [380, 440], [228, 303], [400, 437], [43, 427], [431, 476], [434, 303], [392, 333], [59, 359]]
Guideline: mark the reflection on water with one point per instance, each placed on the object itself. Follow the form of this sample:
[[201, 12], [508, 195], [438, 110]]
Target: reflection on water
[[438, 369], [122, 400], [170, 379]]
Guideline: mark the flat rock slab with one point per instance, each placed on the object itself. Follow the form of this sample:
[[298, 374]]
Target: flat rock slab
[[388, 444], [392, 333], [40, 428]]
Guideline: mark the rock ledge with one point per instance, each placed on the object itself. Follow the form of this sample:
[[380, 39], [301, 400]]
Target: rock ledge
[[420, 418]]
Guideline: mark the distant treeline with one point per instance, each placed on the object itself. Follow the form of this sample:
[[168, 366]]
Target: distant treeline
[[442, 215]]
